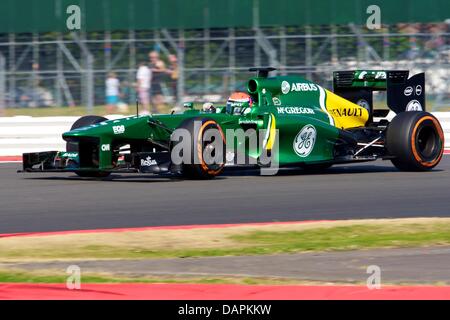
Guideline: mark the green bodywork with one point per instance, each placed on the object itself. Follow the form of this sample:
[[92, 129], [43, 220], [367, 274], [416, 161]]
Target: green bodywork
[[291, 110], [375, 79], [289, 121]]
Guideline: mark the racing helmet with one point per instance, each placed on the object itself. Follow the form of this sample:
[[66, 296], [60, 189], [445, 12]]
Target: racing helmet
[[238, 102], [209, 107]]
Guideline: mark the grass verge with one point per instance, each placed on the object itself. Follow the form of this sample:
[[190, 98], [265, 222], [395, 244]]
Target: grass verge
[[24, 276], [241, 240]]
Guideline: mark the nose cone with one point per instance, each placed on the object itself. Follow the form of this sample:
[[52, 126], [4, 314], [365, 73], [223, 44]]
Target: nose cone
[[89, 131]]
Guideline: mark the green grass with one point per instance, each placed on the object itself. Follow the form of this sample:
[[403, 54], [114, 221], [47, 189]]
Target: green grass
[[21, 276], [347, 238], [32, 277], [337, 238]]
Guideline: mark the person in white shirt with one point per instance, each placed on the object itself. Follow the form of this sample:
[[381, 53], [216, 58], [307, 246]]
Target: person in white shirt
[[112, 92], [144, 78]]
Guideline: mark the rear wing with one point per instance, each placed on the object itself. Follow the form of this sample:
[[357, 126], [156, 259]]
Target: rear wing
[[403, 93]]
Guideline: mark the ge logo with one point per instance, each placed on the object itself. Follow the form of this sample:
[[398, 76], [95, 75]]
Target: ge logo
[[305, 140], [285, 87]]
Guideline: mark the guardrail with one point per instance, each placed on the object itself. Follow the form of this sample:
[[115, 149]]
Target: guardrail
[[29, 134]]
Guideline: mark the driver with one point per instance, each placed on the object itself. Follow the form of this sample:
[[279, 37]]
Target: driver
[[209, 107], [238, 102]]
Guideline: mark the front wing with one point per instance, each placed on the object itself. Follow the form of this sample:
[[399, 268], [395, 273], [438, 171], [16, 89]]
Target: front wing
[[58, 161]]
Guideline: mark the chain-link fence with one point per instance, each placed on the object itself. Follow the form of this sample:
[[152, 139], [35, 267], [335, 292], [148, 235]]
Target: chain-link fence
[[54, 69]]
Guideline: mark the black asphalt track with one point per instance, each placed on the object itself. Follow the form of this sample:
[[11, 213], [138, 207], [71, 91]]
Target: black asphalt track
[[55, 202]]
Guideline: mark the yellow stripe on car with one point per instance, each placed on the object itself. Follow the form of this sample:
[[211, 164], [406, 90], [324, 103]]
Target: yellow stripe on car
[[345, 114], [269, 139]]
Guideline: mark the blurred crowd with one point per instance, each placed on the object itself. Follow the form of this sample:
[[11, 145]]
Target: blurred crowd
[[154, 84], [431, 46], [155, 79]]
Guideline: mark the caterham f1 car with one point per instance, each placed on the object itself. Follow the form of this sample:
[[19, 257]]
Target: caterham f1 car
[[304, 125]]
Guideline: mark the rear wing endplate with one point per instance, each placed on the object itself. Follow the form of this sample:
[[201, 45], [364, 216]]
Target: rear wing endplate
[[403, 93]]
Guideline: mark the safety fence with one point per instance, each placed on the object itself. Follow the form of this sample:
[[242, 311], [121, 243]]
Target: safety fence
[[53, 69]]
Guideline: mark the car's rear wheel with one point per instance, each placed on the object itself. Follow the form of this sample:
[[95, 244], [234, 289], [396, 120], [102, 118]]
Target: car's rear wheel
[[74, 147], [207, 148], [416, 140]]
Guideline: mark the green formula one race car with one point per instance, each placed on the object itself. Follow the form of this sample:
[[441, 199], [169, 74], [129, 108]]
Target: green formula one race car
[[294, 121]]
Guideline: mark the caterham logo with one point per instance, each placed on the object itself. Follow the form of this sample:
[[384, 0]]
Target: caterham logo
[[305, 140], [380, 75]]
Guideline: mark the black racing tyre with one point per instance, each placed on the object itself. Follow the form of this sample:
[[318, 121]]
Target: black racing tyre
[[82, 122], [416, 140], [206, 160], [73, 147]]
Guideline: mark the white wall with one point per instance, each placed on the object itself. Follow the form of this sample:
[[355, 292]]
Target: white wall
[[29, 134]]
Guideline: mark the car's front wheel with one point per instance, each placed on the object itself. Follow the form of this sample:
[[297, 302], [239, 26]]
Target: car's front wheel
[[74, 147], [205, 158]]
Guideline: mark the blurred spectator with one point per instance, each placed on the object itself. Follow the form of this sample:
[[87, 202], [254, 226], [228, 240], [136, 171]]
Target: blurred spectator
[[437, 40], [413, 52], [158, 68], [112, 92], [33, 85], [126, 95], [28, 97], [35, 79], [173, 72], [144, 77]]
